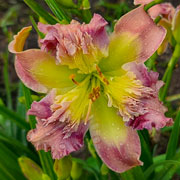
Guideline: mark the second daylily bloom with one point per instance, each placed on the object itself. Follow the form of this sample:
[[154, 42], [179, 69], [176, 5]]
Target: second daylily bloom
[[170, 19], [93, 81]]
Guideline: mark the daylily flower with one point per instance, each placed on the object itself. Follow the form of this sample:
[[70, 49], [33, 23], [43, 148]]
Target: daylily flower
[[170, 20], [93, 81]]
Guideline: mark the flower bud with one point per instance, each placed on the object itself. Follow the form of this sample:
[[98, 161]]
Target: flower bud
[[76, 170], [104, 169], [176, 25], [85, 4], [45, 177], [31, 170], [62, 167]]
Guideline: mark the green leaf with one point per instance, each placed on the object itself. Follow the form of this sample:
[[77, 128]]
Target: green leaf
[[173, 141], [58, 12], [167, 172], [14, 117], [146, 155], [17, 144], [8, 161], [21, 110], [133, 174], [41, 12], [151, 169], [36, 28], [28, 102], [86, 167]]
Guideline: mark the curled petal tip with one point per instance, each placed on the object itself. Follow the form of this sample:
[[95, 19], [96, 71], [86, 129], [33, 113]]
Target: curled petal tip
[[17, 44]]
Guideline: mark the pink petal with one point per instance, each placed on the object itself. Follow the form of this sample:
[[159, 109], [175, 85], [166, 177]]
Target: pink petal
[[51, 138], [42, 108], [149, 35], [166, 10], [136, 37], [136, 2], [116, 144], [50, 131], [74, 43], [154, 116], [37, 69]]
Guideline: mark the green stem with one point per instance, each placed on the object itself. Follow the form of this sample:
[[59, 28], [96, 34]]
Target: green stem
[[41, 35], [151, 4], [173, 98], [151, 61], [168, 73]]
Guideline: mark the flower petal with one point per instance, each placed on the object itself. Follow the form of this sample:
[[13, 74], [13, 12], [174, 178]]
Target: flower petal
[[136, 2], [167, 25], [51, 137], [117, 145], [154, 116], [49, 133], [166, 10], [17, 44], [78, 46], [176, 24], [126, 93], [37, 69], [135, 38]]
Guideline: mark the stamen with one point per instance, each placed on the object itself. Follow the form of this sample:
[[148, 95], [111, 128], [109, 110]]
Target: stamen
[[72, 76], [101, 75], [95, 94], [88, 112]]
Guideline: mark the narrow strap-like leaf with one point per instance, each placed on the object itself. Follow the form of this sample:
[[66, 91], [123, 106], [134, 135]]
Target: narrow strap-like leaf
[[58, 12], [146, 155], [173, 141], [41, 12], [151, 169], [14, 117]]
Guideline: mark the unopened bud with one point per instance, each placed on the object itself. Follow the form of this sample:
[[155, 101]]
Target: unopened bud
[[76, 170], [176, 25], [31, 170], [62, 167], [104, 169], [85, 4]]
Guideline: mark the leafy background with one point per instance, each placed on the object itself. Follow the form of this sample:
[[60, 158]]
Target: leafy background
[[160, 161]]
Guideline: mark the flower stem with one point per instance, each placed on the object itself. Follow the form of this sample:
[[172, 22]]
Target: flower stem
[[173, 98], [151, 4], [168, 73], [150, 63]]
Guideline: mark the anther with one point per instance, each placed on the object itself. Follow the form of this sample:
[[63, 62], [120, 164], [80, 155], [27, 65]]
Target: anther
[[95, 94], [101, 75], [72, 76]]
